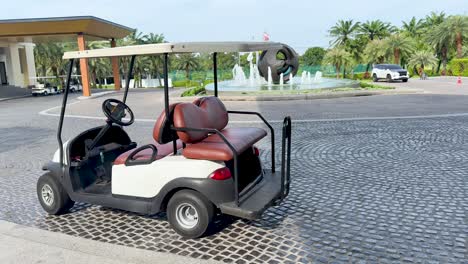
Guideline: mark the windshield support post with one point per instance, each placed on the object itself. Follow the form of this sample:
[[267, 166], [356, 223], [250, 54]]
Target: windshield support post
[[215, 73], [129, 75], [166, 96], [62, 112]]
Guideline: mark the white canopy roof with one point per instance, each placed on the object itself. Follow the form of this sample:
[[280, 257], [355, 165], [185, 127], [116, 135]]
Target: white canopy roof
[[180, 47]]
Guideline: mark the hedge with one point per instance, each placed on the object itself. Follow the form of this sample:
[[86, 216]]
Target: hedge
[[459, 67]]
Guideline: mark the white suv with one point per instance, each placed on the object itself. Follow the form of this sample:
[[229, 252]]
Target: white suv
[[389, 72]]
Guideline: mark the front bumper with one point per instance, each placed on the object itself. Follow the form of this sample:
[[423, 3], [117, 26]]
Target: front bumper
[[403, 77]]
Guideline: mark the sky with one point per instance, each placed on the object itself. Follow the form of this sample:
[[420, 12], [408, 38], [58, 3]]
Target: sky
[[299, 23]]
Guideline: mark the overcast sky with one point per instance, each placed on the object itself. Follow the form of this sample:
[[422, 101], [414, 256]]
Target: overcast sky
[[300, 23]]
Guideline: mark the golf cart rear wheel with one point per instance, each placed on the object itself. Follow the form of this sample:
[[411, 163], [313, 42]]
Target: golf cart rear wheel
[[52, 196], [189, 213]]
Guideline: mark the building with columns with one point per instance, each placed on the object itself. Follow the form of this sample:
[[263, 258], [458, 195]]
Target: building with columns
[[19, 36]]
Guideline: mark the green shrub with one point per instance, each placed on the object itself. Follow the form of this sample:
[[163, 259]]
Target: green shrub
[[194, 91], [185, 83], [459, 67], [360, 76]]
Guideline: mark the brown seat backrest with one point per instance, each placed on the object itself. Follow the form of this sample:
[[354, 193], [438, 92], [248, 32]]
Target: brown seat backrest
[[162, 131], [205, 112]]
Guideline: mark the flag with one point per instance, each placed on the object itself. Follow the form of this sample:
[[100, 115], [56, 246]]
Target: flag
[[266, 37]]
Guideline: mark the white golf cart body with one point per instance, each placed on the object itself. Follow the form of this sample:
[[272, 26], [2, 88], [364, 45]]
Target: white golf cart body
[[43, 89], [193, 151]]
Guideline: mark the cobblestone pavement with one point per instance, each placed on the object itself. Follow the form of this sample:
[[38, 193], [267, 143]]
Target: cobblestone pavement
[[375, 191]]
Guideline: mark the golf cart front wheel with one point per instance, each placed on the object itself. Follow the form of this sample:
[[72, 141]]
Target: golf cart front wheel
[[374, 78], [52, 196], [190, 214]]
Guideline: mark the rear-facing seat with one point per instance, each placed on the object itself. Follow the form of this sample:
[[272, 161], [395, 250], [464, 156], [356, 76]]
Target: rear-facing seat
[[210, 112]]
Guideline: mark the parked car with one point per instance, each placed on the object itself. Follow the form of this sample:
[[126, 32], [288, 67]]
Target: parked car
[[389, 72], [44, 89]]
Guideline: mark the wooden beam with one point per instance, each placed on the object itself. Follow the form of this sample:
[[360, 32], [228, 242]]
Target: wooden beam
[[84, 66], [115, 68]]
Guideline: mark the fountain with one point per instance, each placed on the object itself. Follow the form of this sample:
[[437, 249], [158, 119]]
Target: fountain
[[270, 78], [255, 81], [239, 75], [318, 77]]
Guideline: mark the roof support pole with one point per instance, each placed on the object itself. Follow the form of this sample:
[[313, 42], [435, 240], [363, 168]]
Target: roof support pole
[[129, 76], [115, 68], [84, 66], [215, 73]]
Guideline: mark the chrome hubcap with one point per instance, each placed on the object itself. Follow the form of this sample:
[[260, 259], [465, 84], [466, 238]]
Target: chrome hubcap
[[186, 215], [47, 195]]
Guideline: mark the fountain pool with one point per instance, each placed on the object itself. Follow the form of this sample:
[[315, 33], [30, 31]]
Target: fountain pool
[[298, 83]]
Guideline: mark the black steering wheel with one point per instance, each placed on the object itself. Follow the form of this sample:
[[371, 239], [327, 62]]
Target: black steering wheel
[[116, 110]]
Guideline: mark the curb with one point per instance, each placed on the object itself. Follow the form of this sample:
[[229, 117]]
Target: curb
[[32, 245], [96, 95], [305, 96], [15, 97]]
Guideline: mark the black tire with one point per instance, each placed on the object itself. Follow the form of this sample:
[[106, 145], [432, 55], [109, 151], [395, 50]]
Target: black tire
[[60, 202], [405, 80], [45, 93], [204, 210], [34, 94], [389, 78], [374, 78], [72, 90]]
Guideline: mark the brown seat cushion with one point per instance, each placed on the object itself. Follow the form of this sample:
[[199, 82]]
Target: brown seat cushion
[[162, 131], [214, 148], [206, 112], [163, 151]]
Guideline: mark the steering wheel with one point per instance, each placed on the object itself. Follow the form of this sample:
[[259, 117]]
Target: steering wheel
[[115, 110]]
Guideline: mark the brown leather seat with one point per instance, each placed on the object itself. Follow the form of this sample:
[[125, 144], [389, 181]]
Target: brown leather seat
[[163, 136], [210, 112], [163, 151], [214, 148]]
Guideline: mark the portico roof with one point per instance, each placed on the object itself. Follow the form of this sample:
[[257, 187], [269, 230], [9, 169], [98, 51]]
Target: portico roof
[[179, 47], [60, 29]]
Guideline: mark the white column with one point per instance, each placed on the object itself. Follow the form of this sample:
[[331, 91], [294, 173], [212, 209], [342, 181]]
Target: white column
[[16, 77], [30, 62]]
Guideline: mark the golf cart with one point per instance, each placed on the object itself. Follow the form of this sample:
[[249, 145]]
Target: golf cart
[[75, 85], [196, 168], [42, 87]]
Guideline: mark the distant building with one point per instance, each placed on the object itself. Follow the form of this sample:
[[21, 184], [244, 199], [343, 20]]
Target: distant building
[[18, 38]]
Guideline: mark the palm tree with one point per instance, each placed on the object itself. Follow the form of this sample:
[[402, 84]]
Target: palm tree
[[99, 68], [375, 29], [154, 63], [434, 19], [343, 32], [457, 29], [187, 62], [376, 51], [414, 27], [440, 41], [422, 58], [338, 57], [400, 45]]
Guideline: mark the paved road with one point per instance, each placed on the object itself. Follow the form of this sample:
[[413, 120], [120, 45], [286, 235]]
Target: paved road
[[435, 85], [372, 190]]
